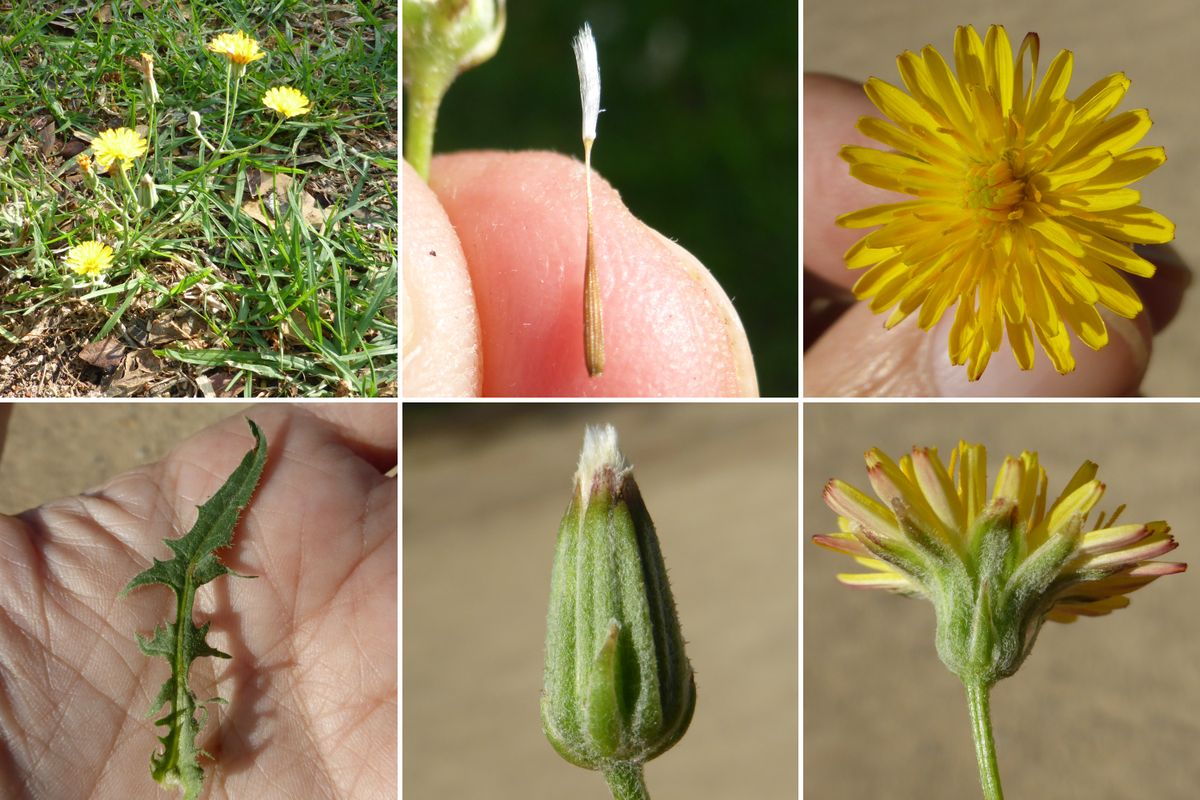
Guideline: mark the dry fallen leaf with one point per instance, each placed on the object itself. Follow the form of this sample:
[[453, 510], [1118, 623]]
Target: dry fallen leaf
[[48, 140], [272, 202], [140, 369], [105, 354]]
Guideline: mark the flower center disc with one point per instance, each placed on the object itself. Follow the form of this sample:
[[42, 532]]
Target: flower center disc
[[994, 191]]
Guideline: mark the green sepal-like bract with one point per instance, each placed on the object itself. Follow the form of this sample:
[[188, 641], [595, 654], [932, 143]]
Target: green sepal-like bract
[[987, 615], [181, 642], [619, 689]]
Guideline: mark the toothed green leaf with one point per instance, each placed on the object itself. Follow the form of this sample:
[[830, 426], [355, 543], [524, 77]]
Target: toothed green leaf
[[181, 642]]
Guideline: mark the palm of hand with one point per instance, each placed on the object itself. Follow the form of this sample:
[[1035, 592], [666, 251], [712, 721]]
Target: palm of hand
[[311, 687]]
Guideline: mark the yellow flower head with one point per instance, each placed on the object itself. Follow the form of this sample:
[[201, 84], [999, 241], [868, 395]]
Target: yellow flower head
[[120, 147], [85, 163], [239, 48], [1021, 212], [1009, 563], [286, 101], [90, 259]]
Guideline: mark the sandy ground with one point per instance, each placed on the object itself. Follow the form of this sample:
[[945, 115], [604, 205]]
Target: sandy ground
[[1103, 709], [59, 449], [484, 489], [1154, 43]]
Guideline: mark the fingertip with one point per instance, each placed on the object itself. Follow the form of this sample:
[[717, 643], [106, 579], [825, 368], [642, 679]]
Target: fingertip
[[441, 327], [832, 108], [858, 357], [1115, 370], [1163, 293], [521, 217]]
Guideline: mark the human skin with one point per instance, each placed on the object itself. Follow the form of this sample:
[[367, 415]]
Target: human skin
[[311, 686], [853, 355], [519, 220]]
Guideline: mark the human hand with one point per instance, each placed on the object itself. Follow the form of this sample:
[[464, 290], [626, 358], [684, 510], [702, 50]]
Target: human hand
[[493, 289], [852, 354], [311, 686]]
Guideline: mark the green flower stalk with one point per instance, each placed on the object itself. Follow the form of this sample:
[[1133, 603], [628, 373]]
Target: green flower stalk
[[442, 38], [619, 688], [996, 570]]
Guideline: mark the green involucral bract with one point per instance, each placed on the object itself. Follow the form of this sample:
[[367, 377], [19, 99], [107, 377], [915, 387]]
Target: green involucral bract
[[619, 689], [182, 642]]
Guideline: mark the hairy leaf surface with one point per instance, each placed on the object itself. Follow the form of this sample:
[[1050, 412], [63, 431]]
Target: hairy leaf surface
[[182, 642]]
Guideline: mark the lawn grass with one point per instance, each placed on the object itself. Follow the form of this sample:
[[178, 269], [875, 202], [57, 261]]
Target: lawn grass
[[224, 286]]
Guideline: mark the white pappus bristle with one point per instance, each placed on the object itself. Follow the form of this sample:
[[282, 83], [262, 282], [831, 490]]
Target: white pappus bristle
[[589, 79], [599, 451]]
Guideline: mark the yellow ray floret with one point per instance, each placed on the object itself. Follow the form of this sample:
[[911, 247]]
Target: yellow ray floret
[[1022, 218], [239, 48], [89, 259], [286, 101], [929, 513], [118, 147]]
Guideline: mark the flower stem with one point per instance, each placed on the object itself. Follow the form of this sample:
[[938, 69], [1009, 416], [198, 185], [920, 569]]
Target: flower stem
[[225, 119], [152, 135], [985, 747], [232, 77], [626, 782], [130, 197], [425, 94]]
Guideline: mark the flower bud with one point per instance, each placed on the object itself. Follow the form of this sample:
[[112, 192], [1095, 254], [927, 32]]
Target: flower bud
[[193, 122], [457, 35], [441, 40], [147, 192], [146, 67], [619, 689], [87, 170]]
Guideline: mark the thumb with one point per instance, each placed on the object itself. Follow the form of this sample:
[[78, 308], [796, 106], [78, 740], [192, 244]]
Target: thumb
[[441, 328]]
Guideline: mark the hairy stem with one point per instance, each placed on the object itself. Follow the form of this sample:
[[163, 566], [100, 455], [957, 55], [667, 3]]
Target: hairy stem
[[425, 94], [985, 747], [626, 782], [130, 197]]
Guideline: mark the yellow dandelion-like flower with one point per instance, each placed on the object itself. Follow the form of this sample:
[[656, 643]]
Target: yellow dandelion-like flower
[[1011, 562], [239, 48], [1021, 214], [90, 259], [120, 147], [286, 101]]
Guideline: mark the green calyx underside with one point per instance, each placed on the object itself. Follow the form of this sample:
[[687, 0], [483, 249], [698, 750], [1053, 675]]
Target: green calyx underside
[[990, 596]]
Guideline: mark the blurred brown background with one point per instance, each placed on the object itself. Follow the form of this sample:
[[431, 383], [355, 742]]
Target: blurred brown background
[[484, 489], [1103, 709], [58, 449], [1154, 43]]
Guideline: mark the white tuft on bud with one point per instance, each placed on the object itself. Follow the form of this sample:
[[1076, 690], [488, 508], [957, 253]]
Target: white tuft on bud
[[599, 451]]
